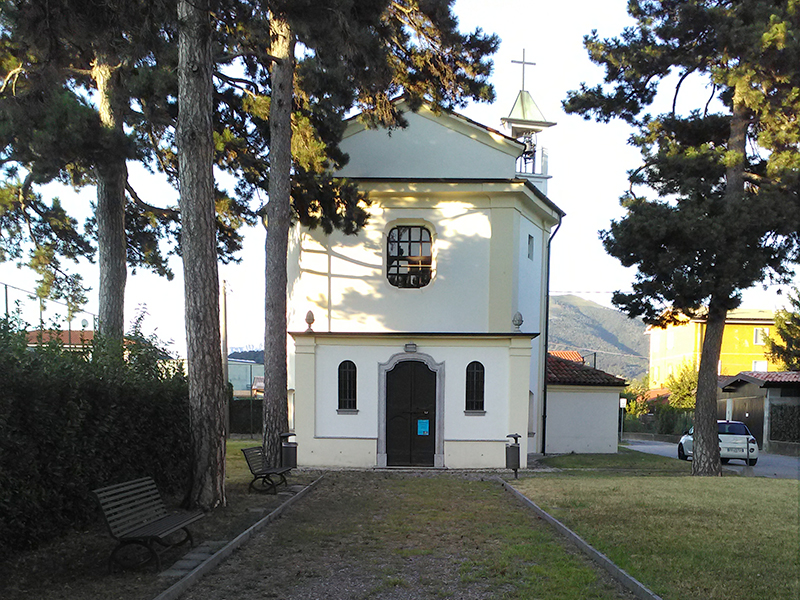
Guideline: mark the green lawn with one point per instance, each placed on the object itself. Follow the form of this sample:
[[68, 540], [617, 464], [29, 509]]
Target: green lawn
[[683, 537], [625, 460]]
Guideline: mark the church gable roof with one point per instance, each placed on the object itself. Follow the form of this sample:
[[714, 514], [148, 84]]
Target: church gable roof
[[443, 145]]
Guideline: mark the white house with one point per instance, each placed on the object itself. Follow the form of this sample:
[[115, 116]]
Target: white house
[[583, 405], [419, 342]]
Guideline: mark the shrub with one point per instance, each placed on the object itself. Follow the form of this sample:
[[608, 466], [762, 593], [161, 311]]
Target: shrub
[[664, 419], [71, 422], [683, 387], [671, 420], [633, 424]]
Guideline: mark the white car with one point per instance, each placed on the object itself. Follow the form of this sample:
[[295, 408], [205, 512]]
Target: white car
[[735, 441]]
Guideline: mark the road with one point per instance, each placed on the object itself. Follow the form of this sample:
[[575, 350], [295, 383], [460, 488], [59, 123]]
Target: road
[[769, 465]]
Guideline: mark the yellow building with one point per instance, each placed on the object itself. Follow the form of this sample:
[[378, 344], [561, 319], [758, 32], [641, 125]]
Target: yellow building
[[743, 345]]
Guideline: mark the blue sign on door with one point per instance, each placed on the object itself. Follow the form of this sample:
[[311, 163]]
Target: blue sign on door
[[423, 427]]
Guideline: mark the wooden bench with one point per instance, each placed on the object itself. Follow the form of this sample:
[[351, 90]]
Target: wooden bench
[[136, 516], [262, 474]]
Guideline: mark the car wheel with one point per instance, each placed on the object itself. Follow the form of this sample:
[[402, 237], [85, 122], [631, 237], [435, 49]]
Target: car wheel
[[725, 461], [681, 453], [752, 462]]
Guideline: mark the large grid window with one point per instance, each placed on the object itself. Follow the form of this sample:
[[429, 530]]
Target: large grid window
[[347, 385], [409, 256], [475, 376]]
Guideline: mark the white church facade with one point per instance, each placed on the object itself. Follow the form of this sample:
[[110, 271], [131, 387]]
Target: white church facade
[[420, 341]]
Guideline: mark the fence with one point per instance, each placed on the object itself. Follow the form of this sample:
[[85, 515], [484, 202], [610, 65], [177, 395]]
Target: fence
[[247, 415], [39, 313]]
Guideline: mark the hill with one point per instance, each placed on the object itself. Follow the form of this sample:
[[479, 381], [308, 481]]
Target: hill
[[620, 342], [254, 355]]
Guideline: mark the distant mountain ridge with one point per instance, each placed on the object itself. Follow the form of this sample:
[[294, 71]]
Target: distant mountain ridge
[[256, 356], [620, 342]]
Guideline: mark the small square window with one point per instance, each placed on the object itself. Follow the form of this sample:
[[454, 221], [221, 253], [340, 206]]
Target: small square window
[[760, 335], [760, 366]]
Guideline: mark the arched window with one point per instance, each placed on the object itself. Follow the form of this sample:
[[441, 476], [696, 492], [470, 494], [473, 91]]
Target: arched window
[[347, 385], [409, 256], [475, 376]]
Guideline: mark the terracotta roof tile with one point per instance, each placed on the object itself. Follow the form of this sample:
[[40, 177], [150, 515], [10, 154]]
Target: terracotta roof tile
[[657, 393], [566, 372], [764, 378], [68, 338], [572, 355]]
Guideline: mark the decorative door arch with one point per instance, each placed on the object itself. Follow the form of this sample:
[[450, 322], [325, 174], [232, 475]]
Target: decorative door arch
[[411, 411]]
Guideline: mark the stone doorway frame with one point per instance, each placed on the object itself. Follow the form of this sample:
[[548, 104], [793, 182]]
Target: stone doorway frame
[[438, 369]]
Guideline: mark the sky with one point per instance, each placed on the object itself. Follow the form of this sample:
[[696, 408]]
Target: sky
[[588, 163]]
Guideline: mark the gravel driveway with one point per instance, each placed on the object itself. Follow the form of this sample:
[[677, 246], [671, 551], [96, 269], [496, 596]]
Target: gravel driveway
[[406, 536]]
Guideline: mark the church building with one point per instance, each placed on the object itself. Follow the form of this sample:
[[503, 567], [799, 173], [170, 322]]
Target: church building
[[420, 341]]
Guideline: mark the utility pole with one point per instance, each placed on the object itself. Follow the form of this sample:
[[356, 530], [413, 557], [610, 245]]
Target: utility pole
[[224, 337]]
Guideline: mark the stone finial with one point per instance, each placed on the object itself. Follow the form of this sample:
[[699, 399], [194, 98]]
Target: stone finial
[[309, 321], [517, 321]]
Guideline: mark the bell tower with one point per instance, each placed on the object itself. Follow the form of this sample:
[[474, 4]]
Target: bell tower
[[525, 121]]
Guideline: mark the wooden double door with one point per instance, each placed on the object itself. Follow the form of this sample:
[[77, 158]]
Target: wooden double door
[[410, 414]]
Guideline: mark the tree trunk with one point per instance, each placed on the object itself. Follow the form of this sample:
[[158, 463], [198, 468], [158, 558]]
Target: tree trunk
[[112, 175], [705, 460], [199, 250], [706, 438], [276, 418]]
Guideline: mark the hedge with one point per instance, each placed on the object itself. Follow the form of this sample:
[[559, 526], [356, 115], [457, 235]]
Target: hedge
[[784, 422], [664, 419], [71, 422]]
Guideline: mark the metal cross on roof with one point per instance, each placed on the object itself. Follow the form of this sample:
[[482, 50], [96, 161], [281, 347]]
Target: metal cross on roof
[[524, 64]]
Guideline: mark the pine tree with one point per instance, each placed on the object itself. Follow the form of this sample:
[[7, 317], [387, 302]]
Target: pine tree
[[88, 88], [784, 348], [380, 49], [725, 213], [57, 54], [195, 142]]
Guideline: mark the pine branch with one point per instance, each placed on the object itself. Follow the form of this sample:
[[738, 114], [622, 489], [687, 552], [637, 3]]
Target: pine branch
[[678, 88], [13, 76], [84, 72], [239, 84], [710, 98], [166, 167], [169, 213], [262, 56], [22, 195]]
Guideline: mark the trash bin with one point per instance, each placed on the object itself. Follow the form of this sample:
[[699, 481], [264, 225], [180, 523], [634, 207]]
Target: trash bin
[[512, 453], [288, 451]]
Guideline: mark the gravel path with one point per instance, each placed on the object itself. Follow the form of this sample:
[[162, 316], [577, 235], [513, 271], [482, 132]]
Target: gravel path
[[407, 536]]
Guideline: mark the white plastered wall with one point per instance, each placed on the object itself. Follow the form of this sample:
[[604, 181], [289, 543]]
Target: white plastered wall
[[341, 279], [328, 437], [582, 419], [429, 147]]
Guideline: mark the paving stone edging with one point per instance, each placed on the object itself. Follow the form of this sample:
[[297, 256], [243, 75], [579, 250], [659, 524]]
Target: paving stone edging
[[178, 588], [630, 583]]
